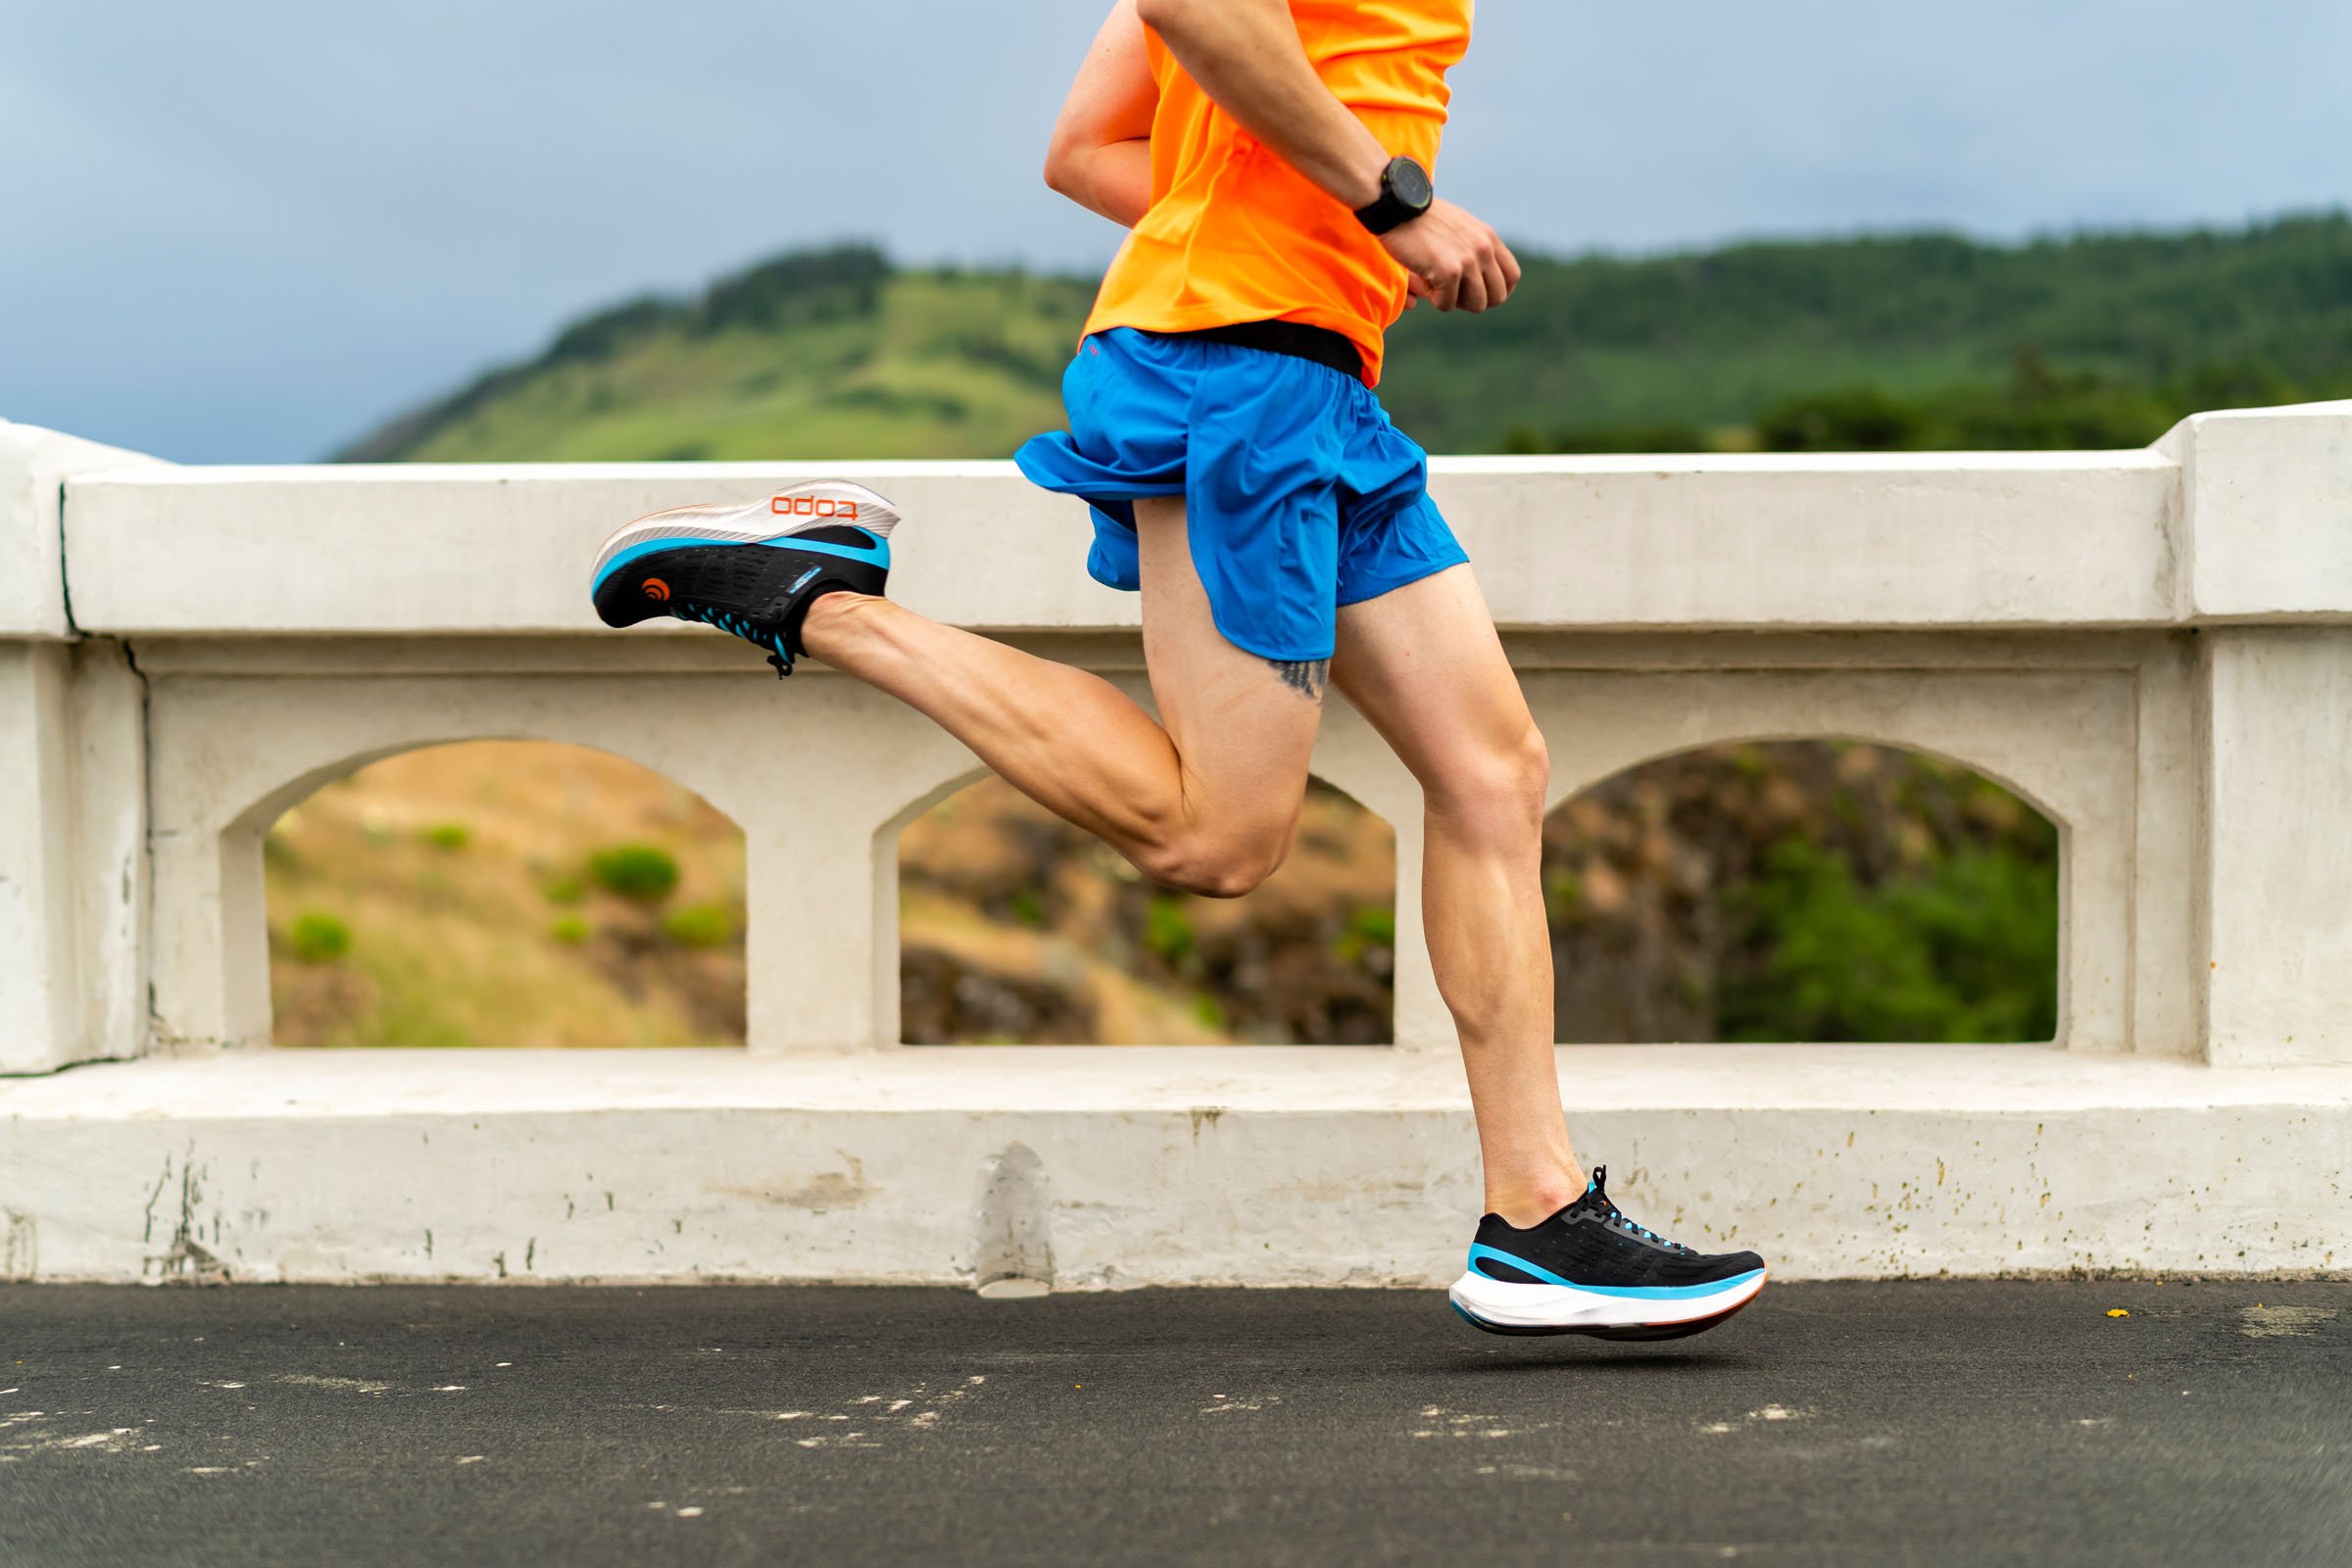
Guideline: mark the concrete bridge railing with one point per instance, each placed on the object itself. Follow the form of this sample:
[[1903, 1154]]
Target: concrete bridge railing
[[2153, 647]]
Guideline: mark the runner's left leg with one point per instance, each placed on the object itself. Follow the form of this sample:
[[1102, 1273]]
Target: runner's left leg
[[1203, 799], [1423, 663]]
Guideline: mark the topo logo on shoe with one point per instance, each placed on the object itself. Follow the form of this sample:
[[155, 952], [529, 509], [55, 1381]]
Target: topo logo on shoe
[[814, 507], [655, 589]]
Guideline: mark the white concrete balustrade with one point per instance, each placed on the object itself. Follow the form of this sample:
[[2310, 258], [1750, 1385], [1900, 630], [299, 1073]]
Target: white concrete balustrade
[[2154, 648]]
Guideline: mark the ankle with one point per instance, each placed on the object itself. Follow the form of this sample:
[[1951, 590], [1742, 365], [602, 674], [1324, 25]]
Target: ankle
[[830, 617], [1532, 1199]]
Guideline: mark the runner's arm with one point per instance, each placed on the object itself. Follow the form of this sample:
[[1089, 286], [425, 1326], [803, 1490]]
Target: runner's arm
[[1245, 54], [1101, 155]]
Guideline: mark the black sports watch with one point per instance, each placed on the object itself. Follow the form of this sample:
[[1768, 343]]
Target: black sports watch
[[1404, 195]]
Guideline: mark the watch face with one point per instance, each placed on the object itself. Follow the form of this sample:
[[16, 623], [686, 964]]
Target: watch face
[[1409, 183]]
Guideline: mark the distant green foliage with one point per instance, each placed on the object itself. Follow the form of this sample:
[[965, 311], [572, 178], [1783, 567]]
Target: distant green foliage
[[1897, 340], [801, 286], [1614, 438], [1167, 928], [1369, 938], [1803, 890], [569, 929], [607, 333], [645, 872], [2037, 409], [701, 925], [565, 890], [319, 938], [1959, 950], [451, 836], [1612, 353]]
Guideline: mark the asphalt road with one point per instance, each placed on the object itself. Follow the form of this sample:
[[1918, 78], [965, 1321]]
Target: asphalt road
[[1849, 1423]]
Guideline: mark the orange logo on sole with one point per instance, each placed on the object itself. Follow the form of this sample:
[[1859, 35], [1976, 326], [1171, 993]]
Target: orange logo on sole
[[655, 589], [813, 507]]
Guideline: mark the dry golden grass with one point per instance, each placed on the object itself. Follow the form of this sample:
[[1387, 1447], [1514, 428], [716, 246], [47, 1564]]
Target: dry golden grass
[[455, 870], [459, 944]]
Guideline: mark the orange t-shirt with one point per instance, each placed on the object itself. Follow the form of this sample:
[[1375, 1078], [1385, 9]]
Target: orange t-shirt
[[1234, 235]]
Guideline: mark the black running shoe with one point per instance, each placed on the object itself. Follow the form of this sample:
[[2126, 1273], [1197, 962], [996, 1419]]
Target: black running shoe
[[751, 570], [1590, 1270]]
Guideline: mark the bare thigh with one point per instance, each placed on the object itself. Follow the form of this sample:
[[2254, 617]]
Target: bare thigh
[[1242, 726], [1422, 665]]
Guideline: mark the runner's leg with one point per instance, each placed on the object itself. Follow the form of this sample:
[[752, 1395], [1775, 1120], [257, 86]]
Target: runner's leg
[[1203, 799], [1424, 666]]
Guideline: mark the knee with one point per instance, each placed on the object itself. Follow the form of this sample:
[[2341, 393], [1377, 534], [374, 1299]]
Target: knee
[[1217, 860], [1502, 781]]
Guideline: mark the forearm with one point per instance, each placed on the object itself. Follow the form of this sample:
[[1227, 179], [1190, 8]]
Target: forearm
[[1245, 54], [1113, 180]]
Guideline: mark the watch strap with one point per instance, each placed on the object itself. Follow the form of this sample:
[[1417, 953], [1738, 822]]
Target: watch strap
[[1390, 210]]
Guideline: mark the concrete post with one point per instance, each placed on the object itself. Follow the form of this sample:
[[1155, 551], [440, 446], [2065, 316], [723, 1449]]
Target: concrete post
[[2266, 521], [72, 863]]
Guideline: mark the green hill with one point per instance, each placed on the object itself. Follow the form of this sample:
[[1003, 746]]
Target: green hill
[[1894, 341]]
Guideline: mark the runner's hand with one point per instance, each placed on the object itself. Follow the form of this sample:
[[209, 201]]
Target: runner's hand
[[1457, 262]]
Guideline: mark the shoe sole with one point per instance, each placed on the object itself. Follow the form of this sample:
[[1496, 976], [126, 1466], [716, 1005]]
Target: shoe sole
[[819, 504], [1501, 1307]]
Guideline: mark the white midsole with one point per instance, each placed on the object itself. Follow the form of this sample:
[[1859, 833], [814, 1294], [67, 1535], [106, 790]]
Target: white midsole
[[755, 520], [1509, 1304]]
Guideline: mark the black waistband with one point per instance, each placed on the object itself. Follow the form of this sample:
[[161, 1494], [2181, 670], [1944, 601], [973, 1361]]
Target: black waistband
[[1294, 338]]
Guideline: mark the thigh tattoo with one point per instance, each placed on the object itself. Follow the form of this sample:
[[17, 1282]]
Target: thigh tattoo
[[1305, 676]]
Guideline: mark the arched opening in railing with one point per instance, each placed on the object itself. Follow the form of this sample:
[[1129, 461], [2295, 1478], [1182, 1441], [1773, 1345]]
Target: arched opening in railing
[[505, 893], [1016, 928], [1803, 890]]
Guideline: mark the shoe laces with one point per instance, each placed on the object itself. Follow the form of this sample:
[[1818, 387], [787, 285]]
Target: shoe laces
[[1611, 1215], [728, 621]]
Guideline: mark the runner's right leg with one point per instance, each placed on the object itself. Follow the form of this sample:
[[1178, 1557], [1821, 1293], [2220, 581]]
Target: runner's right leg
[[1205, 799]]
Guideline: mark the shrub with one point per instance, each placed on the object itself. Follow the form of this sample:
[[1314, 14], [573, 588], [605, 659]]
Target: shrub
[[449, 835], [1959, 950], [638, 871], [317, 938], [1167, 929], [565, 890], [702, 925], [569, 929]]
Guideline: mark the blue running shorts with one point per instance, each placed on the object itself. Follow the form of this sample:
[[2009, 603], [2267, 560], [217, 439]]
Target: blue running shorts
[[1300, 495]]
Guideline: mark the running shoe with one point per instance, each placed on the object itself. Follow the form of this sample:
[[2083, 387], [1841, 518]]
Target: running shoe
[[1590, 1270], [748, 568]]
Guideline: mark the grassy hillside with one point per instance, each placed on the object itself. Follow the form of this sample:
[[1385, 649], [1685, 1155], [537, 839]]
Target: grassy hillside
[[452, 897], [829, 354], [515, 893], [1913, 340]]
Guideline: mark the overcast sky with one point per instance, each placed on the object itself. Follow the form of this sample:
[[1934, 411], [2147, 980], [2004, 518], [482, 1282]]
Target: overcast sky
[[249, 229]]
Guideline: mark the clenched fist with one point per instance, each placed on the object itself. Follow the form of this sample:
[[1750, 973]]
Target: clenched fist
[[1457, 262]]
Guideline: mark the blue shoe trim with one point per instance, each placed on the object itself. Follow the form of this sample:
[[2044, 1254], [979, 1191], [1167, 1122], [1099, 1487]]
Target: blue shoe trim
[[1636, 1292], [878, 555]]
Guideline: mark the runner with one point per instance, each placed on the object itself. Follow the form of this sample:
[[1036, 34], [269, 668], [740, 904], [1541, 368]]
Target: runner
[[1272, 162]]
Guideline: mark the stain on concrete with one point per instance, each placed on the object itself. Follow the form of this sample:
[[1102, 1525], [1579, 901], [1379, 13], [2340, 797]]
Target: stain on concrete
[[20, 1250], [186, 1260], [830, 1189], [1012, 1239]]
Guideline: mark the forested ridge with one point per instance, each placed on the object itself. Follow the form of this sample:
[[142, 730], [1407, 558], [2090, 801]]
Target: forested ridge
[[1892, 341]]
